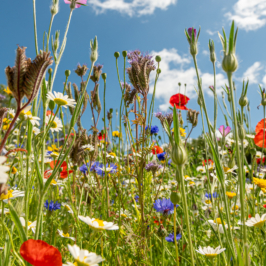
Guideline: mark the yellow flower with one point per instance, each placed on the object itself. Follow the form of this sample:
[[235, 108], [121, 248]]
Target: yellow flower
[[218, 221], [182, 131], [116, 134], [4, 196], [14, 170], [112, 154], [8, 91], [53, 148], [230, 195], [259, 182]]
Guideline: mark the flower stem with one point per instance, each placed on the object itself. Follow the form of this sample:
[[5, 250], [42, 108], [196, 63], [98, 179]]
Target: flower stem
[[180, 178], [176, 247], [35, 27]]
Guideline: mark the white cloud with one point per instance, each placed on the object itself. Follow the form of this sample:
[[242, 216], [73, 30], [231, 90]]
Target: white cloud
[[205, 52], [176, 68], [211, 32], [264, 80], [252, 73], [249, 14], [132, 7]]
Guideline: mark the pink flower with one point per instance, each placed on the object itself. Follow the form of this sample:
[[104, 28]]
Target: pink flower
[[84, 2], [224, 131]]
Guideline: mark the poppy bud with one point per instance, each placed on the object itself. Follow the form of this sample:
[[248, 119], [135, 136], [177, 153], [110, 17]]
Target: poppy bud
[[230, 63], [158, 58], [116, 54], [179, 155], [51, 105], [124, 53], [67, 73], [175, 197], [241, 132], [94, 50], [253, 151], [243, 101], [159, 71], [104, 76]]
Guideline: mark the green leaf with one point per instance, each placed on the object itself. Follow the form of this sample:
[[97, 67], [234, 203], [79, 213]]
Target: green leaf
[[225, 40], [231, 38], [235, 40], [222, 41], [198, 34], [176, 126], [15, 219]]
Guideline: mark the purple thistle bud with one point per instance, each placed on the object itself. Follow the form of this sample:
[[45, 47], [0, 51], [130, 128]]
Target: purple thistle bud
[[190, 32], [212, 88]]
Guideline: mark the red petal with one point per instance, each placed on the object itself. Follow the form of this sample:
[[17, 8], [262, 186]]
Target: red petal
[[179, 101], [64, 174], [260, 126], [39, 253], [55, 163], [258, 140]]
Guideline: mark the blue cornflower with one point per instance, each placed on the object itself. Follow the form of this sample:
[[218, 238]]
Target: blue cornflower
[[154, 130], [161, 156], [83, 169], [248, 180], [214, 195], [19, 146], [136, 198], [47, 142], [164, 206], [94, 166], [52, 206], [110, 169], [171, 237], [170, 161]]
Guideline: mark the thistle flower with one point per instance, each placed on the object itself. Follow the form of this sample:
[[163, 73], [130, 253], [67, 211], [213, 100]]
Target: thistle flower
[[153, 167], [81, 70], [139, 72], [192, 117], [164, 117]]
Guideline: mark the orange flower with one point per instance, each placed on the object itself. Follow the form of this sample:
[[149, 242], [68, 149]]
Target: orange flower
[[157, 150], [258, 140], [260, 126], [39, 253]]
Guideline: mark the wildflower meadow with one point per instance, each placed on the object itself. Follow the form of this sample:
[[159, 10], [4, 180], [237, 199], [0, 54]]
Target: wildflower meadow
[[134, 188]]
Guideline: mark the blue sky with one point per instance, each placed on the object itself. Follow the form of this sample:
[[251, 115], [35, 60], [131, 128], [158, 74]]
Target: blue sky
[[155, 26]]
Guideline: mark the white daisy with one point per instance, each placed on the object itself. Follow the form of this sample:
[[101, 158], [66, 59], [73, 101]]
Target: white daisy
[[6, 211], [25, 111], [83, 256], [11, 112], [61, 233], [87, 147], [217, 225], [16, 132], [250, 136], [98, 224], [31, 225], [11, 194], [256, 221], [68, 208], [56, 124], [33, 119], [36, 130], [210, 252], [60, 99], [3, 170]]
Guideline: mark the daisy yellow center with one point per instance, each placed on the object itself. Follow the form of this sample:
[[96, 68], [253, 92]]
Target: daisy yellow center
[[217, 221], [230, 195], [208, 202], [235, 208], [100, 222], [191, 183], [259, 224], [7, 196], [210, 256], [67, 207], [112, 154], [65, 235], [29, 223], [60, 101], [14, 170], [226, 169], [123, 215], [54, 124], [53, 182]]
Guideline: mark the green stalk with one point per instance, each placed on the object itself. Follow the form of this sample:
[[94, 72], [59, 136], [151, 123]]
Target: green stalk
[[215, 97], [180, 178], [35, 27], [176, 247], [49, 32], [240, 173]]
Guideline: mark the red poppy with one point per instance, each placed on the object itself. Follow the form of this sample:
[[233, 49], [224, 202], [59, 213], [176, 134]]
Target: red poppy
[[49, 113], [209, 162], [260, 126], [157, 150], [64, 173], [258, 140], [264, 206], [39, 253], [156, 221], [179, 101], [71, 134], [101, 136], [47, 174], [249, 216], [259, 159]]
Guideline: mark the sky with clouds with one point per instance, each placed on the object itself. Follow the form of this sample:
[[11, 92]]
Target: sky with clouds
[[154, 26]]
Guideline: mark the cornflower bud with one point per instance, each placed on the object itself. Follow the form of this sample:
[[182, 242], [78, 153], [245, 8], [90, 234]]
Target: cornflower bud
[[212, 51], [104, 76], [55, 7], [243, 100], [94, 50], [229, 63], [192, 38]]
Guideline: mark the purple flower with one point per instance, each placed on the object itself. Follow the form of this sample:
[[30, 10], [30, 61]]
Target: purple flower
[[171, 237], [164, 206], [190, 32], [77, 1], [110, 169], [2, 97], [158, 114], [83, 169], [224, 131], [52, 206], [136, 198], [154, 129], [94, 166]]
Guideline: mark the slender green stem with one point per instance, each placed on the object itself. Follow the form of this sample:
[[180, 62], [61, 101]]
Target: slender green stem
[[240, 172], [180, 178], [35, 27], [49, 32], [176, 247], [215, 97]]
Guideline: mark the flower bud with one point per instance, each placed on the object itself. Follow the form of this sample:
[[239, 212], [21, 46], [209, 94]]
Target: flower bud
[[230, 63], [159, 70], [194, 48], [263, 101], [199, 101], [67, 73], [175, 197], [55, 7], [212, 51], [231, 163], [179, 155], [116, 54], [124, 53], [162, 232], [253, 151], [50, 71], [243, 100], [158, 58], [94, 50], [241, 132], [51, 105], [104, 76]]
